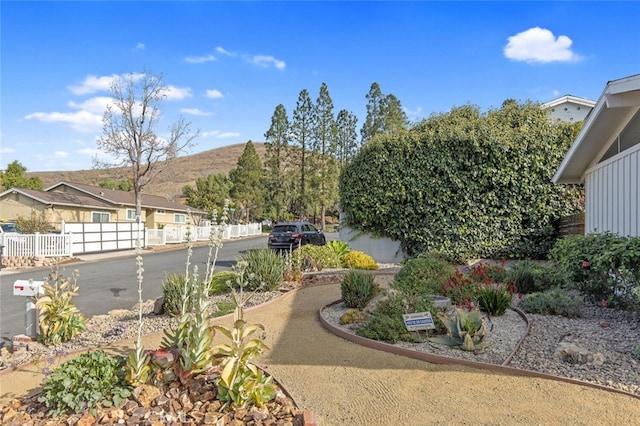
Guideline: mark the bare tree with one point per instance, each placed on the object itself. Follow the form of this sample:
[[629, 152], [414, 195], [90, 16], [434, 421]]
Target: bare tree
[[129, 131]]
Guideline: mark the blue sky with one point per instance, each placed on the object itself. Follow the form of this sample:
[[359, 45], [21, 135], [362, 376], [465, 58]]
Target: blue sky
[[229, 64]]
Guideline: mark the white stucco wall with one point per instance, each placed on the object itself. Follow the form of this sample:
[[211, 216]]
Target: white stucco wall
[[383, 250]]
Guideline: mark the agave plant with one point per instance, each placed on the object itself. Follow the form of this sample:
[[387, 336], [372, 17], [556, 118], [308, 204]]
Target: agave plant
[[465, 330], [339, 247]]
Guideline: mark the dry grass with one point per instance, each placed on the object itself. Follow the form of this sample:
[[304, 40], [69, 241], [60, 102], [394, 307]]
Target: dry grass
[[183, 171]]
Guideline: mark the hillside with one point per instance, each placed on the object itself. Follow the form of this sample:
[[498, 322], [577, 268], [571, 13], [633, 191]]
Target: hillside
[[184, 171]]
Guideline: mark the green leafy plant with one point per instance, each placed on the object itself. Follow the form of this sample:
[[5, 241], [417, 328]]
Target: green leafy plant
[[224, 308], [359, 260], [265, 269], [555, 301], [91, 379], [422, 276], [386, 323], [357, 289], [529, 277], [175, 296], [495, 298], [59, 319], [494, 195], [241, 383], [465, 330], [221, 281], [339, 247], [602, 266], [317, 258]]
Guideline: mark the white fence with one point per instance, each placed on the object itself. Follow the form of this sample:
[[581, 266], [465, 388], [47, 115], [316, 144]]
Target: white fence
[[37, 245], [176, 235], [98, 237]]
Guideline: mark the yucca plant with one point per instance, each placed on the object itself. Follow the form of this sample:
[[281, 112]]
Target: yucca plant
[[465, 330], [59, 319], [264, 270], [357, 288]]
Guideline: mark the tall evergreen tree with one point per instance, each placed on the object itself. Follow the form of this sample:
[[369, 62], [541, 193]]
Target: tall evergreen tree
[[346, 137], [324, 149], [247, 190], [277, 144], [301, 132], [384, 115], [373, 121]]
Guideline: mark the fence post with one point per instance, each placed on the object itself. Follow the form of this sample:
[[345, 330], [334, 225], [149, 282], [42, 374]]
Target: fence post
[[36, 245]]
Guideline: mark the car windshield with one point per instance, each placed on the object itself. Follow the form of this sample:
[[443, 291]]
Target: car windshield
[[286, 228], [9, 227]]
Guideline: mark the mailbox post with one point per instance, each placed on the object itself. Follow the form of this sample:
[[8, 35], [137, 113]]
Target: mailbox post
[[29, 289]]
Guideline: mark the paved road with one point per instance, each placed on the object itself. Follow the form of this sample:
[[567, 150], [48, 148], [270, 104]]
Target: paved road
[[110, 282]]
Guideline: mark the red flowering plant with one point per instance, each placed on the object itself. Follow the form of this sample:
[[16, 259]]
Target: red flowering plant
[[482, 285]]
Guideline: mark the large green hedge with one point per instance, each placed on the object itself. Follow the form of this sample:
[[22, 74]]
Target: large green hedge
[[465, 183]]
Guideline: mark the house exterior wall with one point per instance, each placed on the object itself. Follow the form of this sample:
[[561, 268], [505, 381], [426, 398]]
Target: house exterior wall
[[16, 204], [568, 112], [612, 195]]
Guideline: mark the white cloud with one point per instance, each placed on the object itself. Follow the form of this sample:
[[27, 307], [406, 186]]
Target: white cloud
[[83, 121], [539, 45], [223, 51], [60, 154], [96, 105], [219, 135], [174, 93], [265, 61], [93, 84], [139, 46], [214, 94], [6, 150], [195, 111], [199, 59], [415, 113]]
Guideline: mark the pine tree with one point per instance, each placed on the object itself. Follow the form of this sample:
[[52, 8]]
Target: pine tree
[[301, 129], [384, 115], [247, 190], [277, 144], [346, 137]]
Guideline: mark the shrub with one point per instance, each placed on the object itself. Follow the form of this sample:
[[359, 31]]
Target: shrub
[[357, 289], [386, 323], [359, 260], [264, 271], [461, 289], [316, 258], [221, 282], [602, 266], [484, 272], [422, 276], [340, 248], [175, 294], [82, 383], [553, 302], [480, 183], [59, 319], [529, 277], [495, 298]]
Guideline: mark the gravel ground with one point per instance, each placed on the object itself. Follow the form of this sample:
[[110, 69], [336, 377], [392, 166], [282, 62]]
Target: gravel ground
[[603, 339]]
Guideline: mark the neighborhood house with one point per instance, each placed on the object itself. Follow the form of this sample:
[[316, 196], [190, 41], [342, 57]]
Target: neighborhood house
[[80, 203]]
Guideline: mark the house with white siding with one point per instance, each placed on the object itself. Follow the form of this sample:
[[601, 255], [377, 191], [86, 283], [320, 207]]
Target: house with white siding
[[605, 157], [568, 108]]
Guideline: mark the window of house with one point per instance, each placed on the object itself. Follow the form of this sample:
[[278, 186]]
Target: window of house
[[131, 214], [161, 212], [628, 138], [100, 217], [179, 218]]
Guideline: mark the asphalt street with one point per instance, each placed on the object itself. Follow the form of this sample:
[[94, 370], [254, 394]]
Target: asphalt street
[[108, 281]]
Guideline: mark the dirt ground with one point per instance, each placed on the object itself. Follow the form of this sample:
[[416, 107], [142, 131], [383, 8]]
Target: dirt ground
[[346, 384]]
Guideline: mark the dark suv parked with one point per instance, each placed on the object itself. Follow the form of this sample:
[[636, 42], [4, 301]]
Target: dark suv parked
[[289, 235]]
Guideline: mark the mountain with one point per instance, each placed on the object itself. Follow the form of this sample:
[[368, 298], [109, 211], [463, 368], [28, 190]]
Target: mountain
[[184, 171]]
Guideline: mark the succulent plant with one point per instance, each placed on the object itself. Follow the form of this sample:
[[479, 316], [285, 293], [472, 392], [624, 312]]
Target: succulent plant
[[465, 330]]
